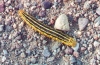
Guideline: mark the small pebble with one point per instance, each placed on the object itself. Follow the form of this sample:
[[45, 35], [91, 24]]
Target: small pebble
[[97, 22], [96, 43], [50, 59], [5, 52], [23, 55], [83, 49], [62, 23], [76, 54], [78, 1], [98, 11], [3, 59], [8, 28], [44, 41], [87, 5], [69, 50], [72, 59], [1, 28], [28, 52], [82, 22], [46, 52], [33, 60], [47, 4]]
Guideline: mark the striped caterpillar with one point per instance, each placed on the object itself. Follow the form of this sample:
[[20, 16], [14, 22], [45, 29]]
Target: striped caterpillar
[[46, 30]]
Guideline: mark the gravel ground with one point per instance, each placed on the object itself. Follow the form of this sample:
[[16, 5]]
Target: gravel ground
[[21, 45]]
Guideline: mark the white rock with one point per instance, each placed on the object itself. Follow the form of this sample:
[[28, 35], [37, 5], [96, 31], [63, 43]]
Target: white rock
[[82, 22], [87, 5], [76, 47], [98, 11], [62, 23], [1, 28], [3, 59], [5, 52], [97, 22], [96, 44]]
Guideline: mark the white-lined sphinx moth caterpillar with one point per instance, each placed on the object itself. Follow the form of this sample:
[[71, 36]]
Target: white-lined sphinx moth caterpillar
[[46, 30]]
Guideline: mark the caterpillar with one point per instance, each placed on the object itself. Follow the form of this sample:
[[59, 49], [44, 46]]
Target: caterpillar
[[47, 30]]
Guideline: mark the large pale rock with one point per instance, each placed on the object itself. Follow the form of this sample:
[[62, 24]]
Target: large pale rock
[[82, 22], [62, 23]]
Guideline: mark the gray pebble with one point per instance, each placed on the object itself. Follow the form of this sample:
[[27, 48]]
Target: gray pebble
[[97, 22], [86, 52], [79, 62], [33, 60], [55, 45], [28, 52], [54, 52], [8, 28], [72, 59], [82, 22], [50, 59], [98, 11], [5, 52], [77, 1], [44, 41], [46, 52]]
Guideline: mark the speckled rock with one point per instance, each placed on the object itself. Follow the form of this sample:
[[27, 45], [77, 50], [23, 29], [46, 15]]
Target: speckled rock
[[47, 4], [62, 23], [98, 11], [46, 52], [82, 22]]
